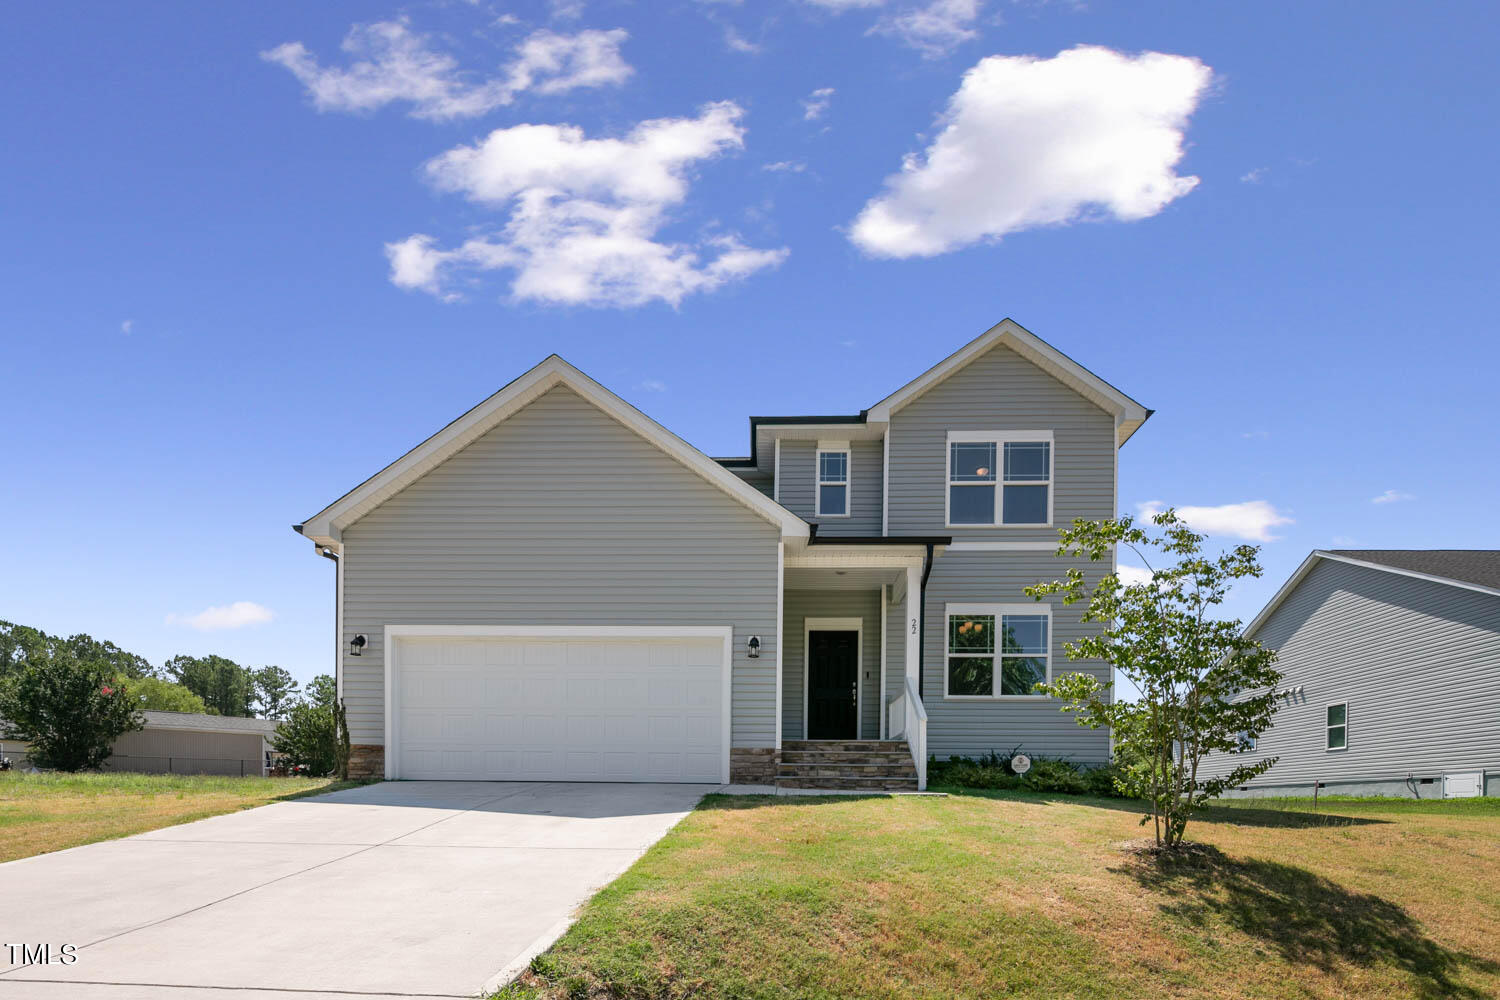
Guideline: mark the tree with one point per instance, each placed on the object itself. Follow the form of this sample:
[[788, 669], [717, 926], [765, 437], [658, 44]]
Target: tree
[[69, 711], [322, 690], [119, 661], [308, 737], [225, 686], [275, 690], [18, 645], [158, 695], [1205, 686]]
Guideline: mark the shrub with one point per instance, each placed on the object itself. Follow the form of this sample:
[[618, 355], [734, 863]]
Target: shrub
[[992, 771], [308, 740], [68, 710]]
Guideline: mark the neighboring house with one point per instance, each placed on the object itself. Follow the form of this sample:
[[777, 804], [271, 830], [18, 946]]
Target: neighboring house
[[183, 743], [556, 587], [1390, 662]]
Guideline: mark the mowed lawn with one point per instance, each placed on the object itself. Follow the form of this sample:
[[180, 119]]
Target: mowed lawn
[[48, 812], [1020, 895]]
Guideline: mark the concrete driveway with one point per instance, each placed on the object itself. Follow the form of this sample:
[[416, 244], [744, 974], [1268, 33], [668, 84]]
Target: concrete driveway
[[421, 888]]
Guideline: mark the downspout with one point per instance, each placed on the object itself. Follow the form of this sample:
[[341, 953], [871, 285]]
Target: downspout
[[922, 625]]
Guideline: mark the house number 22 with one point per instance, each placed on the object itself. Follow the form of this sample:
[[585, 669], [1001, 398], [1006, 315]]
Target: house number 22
[[913, 626]]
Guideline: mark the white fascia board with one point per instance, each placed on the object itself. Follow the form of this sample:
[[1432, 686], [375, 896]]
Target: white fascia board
[[1031, 347], [482, 418]]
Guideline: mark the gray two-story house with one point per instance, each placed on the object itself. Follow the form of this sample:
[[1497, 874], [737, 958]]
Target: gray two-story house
[[556, 587], [1390, 663]]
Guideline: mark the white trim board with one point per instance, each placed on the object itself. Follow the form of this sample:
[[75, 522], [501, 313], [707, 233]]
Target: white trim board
[[856, 625], [395, 632], [327, 525]]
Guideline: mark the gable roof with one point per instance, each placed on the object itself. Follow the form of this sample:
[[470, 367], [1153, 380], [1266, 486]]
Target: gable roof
[[325, 527], [1129, 414], [1469, 569], [201, 723]]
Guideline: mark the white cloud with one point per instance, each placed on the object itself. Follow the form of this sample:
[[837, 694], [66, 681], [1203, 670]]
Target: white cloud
[[1254, 176], [935, 29], [223, 616], [814, 104], [1088, 134], [653, 385], [584, 213], [1130, 575], [127, 326], [392, 63], [738, 42], [785, 167], [1392, 496], [839, 6], [1255, 435], [1251, 520], [566, 9]]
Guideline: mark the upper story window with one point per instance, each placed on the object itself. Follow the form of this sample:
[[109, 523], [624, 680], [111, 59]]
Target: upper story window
[[999, 478], [1338, 726], [997, 650], [833, 482]]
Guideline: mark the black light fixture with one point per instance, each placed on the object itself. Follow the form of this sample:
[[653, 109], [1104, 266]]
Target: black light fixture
[[754, 645], [357, 644]]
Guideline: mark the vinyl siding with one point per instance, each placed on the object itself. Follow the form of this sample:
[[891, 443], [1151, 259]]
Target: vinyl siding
[[763, 481], [999, 390], [895, 649], [799, 467], [803, 604], [967, 728], [561, 516], [1417, 662]]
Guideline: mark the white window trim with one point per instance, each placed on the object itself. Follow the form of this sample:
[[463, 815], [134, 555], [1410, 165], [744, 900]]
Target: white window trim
[[999, 438], [857, 625], [1327, 727], [999, 611], [833, 448]]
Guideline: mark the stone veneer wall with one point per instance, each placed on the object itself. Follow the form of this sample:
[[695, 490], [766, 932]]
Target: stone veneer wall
[[366, 760], [753, 765]]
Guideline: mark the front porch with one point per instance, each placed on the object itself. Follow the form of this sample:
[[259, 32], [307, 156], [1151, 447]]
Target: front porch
[[850, 621]]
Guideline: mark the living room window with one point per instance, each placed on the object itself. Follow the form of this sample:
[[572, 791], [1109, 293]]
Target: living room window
[[999, 478], [833, 483], [997, 650]]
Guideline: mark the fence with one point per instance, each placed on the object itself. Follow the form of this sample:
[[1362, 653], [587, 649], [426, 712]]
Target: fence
[[229, 766]]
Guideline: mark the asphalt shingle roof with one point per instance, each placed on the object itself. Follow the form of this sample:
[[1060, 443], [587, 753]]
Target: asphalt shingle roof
[[1476, 566]]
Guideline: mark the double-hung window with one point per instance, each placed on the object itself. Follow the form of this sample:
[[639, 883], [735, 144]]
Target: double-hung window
[[833, 482], [997, 650], [1337, 724], [999, 478]]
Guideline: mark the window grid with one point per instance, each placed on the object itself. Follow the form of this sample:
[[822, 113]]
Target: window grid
[[833, 484], [977, 669], [1018, 494]]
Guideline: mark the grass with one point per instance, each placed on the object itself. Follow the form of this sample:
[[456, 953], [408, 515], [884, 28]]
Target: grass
[[50, 812], [1016, 894]]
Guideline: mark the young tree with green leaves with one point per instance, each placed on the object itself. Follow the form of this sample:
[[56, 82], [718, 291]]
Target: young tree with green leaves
[[1206, 687], [68, 710], [275, 691]]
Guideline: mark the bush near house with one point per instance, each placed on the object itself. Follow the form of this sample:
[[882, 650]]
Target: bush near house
[[1047, 774]]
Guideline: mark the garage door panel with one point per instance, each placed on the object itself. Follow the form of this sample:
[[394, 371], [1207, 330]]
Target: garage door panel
[[584, 709]]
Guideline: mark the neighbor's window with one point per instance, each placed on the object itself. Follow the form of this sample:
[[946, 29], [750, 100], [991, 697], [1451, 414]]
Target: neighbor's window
[[978, 668], [1338, 726], [1016, 491], [833, 484]]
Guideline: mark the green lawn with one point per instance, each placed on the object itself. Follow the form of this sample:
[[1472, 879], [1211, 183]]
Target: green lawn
[[1024, 895], [49, 812]]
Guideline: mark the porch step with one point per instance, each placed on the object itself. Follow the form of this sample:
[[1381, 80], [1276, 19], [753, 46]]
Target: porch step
[[852, 784], [872, 765]]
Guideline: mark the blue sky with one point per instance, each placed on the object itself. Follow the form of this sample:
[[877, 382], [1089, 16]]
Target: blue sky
[[242, 272]]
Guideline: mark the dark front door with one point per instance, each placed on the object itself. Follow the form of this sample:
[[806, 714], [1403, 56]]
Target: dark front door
[[832, 683]]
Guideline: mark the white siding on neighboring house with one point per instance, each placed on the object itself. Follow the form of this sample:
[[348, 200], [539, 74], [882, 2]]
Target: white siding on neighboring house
[[1416, 662], [561, 516]]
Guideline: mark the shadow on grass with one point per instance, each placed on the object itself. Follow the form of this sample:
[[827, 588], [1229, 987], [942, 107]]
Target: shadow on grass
[[734, 802], [1293, 819], [1304, 917]]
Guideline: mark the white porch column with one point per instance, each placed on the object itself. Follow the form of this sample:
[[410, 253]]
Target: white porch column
[[913, 614]]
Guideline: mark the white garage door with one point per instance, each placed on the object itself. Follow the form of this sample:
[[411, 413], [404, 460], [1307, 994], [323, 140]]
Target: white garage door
[[538, 708]]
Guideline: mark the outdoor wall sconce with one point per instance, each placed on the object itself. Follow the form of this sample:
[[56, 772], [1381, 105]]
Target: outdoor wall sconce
[[357, 645], [754, 645]]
